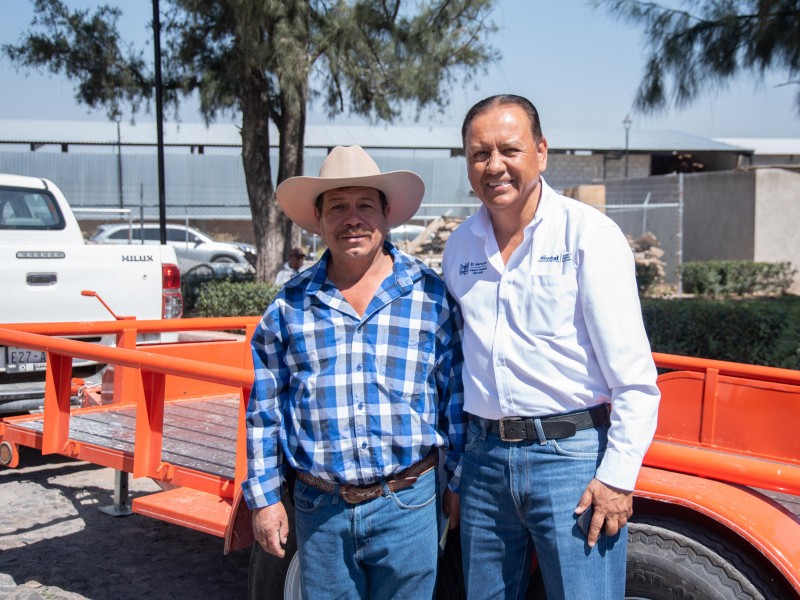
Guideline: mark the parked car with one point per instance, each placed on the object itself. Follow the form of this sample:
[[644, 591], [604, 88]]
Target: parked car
[[192, 246]]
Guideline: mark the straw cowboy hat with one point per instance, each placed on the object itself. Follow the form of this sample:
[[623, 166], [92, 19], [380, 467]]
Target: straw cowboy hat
[[350, 166]]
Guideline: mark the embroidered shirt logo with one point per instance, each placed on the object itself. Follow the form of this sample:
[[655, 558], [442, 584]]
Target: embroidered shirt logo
[[473, 268], [559, 258]]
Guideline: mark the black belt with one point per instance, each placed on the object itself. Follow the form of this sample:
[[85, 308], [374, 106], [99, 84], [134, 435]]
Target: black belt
[[554, 427]]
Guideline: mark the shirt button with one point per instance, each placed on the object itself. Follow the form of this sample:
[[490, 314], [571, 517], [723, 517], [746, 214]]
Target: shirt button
[[358, 367], [360, 406], [364, 445]]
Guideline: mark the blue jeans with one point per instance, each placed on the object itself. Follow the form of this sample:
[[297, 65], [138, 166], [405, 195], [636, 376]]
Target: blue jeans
[[519, 497], [383, 548]]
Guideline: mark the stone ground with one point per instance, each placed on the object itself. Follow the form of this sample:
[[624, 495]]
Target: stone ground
[[56, 545]]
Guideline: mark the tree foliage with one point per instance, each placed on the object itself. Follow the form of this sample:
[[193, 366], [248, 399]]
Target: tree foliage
[[709, 42], [266, 60]]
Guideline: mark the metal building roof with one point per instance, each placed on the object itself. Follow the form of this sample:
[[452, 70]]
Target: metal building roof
[[766, 146], [100, 133]]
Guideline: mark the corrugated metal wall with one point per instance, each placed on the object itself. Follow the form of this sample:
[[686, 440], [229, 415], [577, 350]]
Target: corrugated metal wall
[[212, 186], [208, 186]]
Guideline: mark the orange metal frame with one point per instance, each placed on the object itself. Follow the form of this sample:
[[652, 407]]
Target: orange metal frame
[[147, 377], [718, 421]]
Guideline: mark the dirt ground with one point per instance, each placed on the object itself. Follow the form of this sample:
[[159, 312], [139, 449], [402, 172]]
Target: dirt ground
[[56, 545]]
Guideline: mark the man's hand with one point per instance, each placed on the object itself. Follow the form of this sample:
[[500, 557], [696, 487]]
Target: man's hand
[[271, 528], [612, 507], [451, 506]]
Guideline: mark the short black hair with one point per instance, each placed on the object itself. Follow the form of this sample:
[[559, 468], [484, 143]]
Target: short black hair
[[491, 102], [381, 195]]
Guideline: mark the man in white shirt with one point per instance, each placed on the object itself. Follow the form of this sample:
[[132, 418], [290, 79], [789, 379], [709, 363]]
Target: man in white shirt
[[559, 380], [291, 267]]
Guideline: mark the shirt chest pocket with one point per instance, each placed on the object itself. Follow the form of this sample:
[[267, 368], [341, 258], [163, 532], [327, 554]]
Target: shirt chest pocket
[[549, 304], [313, 354], [405, 363]]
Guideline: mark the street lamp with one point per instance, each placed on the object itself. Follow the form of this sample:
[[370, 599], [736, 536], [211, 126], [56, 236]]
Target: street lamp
[[626, 123]]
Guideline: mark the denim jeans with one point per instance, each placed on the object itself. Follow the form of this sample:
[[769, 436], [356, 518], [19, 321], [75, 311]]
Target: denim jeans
[[519, 497], [383, 548]]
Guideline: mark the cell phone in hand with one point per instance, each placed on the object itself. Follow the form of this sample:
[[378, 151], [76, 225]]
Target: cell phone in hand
[[585, 519]]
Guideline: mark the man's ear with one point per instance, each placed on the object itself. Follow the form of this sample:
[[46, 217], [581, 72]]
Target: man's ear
[[541, 151]]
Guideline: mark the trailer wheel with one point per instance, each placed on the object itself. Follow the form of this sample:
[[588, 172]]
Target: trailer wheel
[[664, 563], [273, 578]]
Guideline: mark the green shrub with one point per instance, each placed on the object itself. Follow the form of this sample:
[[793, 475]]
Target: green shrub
[[199, 275], [234, 298], [754, 331], [715, 278], [650, 267], [648, 275]]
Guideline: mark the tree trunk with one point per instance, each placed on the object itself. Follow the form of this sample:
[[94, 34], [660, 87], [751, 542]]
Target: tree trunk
[[269, 222], [292, 131]]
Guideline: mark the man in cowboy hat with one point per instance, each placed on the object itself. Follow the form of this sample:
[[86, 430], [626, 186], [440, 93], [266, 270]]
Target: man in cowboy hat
[[291, 267], [357, 387]]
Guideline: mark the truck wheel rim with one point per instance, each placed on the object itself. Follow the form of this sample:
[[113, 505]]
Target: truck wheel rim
[[291, 587]]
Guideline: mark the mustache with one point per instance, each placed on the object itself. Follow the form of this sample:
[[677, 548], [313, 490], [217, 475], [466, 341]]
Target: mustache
[[353, 231]]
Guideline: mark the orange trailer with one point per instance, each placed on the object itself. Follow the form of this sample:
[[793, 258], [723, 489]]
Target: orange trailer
[[716, 504]]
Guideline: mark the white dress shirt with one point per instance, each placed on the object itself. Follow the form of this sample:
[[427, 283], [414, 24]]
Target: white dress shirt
[[557, 329], [285, 274]]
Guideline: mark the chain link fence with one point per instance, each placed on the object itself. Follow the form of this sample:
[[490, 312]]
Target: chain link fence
[[651, 205]]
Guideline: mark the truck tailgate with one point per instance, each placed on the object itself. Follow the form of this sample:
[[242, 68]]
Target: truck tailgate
[[44, 283]]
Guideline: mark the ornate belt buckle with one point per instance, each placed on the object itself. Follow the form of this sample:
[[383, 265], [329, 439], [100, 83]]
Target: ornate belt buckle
[[502, 422], [352, 494]]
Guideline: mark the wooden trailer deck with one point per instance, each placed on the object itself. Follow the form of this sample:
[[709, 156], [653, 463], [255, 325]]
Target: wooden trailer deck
[[197, 434]]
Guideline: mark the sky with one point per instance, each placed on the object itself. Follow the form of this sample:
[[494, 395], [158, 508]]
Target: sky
[[579, 66]]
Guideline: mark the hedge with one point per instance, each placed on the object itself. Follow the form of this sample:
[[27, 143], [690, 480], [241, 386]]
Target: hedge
[[756, 331], [234, 298], [763, 331], [202, 274], [715, 278]]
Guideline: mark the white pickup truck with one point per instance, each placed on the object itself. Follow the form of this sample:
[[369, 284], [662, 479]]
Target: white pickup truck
[[45, 265]]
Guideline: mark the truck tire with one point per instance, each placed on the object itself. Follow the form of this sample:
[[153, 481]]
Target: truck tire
[[668, 560]]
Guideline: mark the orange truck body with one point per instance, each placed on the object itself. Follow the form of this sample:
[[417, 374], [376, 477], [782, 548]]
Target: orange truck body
[[726, 453]]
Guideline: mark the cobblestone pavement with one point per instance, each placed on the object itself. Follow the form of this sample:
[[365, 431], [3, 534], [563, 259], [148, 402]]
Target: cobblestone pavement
[[56, 545]]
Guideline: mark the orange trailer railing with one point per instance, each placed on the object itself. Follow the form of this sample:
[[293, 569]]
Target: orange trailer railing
[[728, 421], [145, 379]]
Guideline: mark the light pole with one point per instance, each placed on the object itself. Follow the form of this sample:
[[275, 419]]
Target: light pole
[[626, 123], [162, 201]]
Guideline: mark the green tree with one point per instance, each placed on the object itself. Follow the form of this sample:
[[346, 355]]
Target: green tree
[[265, 60], [709, 42]]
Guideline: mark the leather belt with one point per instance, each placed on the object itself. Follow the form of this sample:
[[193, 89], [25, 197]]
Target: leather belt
[[554, 427], [354, 494]]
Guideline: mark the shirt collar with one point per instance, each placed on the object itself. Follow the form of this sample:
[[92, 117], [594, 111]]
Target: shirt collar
[[405, 270]]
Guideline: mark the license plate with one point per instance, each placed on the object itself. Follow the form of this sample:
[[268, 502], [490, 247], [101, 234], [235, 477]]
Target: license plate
[[22, 360]]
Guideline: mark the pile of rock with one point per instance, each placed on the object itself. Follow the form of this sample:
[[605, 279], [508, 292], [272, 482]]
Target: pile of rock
[[650, 270]]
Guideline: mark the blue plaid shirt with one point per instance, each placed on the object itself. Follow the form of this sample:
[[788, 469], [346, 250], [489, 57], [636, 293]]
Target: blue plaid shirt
[[353, 399]]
